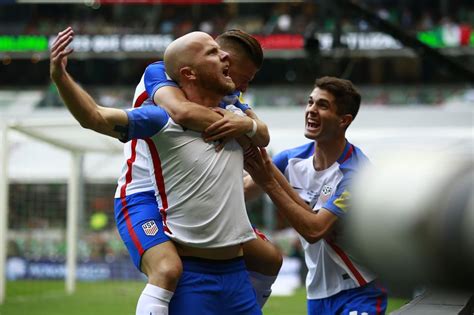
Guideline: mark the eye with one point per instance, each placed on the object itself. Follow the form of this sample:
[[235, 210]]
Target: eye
[[212, 51], [323, 105]]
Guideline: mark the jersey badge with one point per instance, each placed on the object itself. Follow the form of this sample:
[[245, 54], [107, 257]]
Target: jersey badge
[[150, 228], [325, 193]]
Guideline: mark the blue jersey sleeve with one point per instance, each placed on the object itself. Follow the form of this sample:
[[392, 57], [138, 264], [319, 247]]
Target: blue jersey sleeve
[[339, 202], [281, 161], [155, 77], [235, 99], [146, 121], [240, 103]]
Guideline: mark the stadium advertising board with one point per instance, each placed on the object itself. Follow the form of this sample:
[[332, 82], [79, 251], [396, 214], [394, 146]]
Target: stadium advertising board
[[20, 269], [136, 43]]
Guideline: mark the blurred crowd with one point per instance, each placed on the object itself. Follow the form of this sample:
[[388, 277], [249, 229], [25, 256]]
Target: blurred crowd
[[290, 96], [256, 18]]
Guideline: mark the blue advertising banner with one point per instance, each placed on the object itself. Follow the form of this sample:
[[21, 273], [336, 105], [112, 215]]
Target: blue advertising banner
[[22, 269]]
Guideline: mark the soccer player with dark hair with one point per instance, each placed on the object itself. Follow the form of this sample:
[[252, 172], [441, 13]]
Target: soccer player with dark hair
[[310, 186]]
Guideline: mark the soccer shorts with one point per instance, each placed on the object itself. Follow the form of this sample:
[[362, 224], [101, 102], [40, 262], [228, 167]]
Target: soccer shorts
[[366, 300], [214, 287], [139, 223]]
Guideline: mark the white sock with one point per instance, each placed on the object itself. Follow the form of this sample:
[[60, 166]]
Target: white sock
[[262, 285], [153, 301]]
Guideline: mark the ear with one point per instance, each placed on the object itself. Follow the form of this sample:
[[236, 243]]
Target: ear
[[187, 73], [346, 120]]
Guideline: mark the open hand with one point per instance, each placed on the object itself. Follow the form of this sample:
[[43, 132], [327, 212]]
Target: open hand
[[59, 53]]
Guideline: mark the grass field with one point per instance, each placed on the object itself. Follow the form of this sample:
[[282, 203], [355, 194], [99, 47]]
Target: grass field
[[112, 298]]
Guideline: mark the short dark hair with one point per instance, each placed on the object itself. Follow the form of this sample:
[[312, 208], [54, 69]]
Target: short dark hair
[[248, 44], [347, 98]]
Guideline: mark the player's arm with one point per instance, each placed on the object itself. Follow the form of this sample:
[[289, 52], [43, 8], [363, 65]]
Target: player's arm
[[184, 112], [79, 102], [258, 133], [107, 121], [261, 138], [139, 123], [116, 123], [167, 94], [313, 226], [251, 190]]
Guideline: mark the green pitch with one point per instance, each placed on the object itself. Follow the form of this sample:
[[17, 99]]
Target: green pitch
[[112, 298]]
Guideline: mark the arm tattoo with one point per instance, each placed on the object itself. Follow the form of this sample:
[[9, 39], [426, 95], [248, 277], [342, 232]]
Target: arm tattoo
[[123, 131]]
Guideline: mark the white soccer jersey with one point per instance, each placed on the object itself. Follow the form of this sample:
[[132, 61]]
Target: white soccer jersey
[[135, 175], [200, 191], [330, 268]]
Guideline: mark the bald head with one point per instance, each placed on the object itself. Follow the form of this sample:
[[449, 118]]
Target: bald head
[[183, 51]]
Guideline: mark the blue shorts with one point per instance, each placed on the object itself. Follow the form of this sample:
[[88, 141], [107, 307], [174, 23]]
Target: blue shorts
[[214, 287], [139, 223], [366, 300]]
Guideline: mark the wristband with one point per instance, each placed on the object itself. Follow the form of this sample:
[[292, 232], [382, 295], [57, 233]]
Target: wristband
[[252, 133]]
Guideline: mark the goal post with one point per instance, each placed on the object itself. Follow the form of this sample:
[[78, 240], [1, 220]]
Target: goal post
[[3, 206], [67, 136], [73, 207]]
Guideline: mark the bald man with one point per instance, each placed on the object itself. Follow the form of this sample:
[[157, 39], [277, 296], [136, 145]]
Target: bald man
[[160, 263], [200, 191]]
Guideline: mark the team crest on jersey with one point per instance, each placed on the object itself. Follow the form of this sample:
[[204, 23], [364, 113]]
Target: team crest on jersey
[[325, 193], [150, 228], [326, 190]]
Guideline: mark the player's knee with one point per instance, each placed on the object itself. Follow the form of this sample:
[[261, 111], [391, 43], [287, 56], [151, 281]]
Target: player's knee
[[167, 270], [162, 265], [171, 269], [268, 260], [275, 262]]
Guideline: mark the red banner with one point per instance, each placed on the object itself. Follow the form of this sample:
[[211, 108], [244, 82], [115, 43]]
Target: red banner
[[281, 41], [177, 2]]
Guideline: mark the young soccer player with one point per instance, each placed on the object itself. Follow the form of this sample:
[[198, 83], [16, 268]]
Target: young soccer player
[[310, 186]]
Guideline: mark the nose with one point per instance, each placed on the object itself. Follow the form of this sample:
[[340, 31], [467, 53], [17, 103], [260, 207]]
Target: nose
[[311, 109], [224, 55]]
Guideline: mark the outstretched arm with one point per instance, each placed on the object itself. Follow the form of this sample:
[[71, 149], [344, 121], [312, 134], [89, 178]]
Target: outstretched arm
[[313, 226], [104, 120]]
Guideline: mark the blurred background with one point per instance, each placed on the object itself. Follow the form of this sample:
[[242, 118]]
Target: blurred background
[[413, 62]]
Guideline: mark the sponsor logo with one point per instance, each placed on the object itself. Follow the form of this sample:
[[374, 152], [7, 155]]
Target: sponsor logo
[[150, 228]]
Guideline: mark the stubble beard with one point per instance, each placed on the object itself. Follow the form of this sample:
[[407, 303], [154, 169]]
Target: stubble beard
[[214, 83]]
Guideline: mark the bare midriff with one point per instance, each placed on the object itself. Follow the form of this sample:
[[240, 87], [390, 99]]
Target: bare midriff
[[219, 253]]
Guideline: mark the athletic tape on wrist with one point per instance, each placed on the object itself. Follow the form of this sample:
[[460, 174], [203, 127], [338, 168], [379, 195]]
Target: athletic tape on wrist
[[254, 129]]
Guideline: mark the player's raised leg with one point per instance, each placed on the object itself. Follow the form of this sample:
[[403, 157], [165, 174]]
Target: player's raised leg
[[140, 226], [263, 261], [163, 268]]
